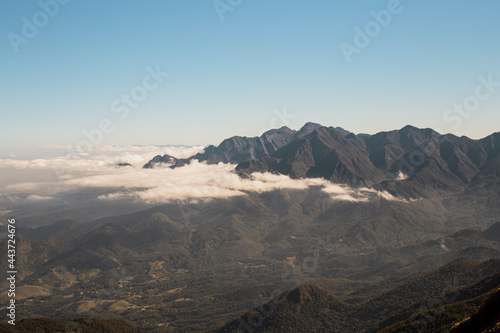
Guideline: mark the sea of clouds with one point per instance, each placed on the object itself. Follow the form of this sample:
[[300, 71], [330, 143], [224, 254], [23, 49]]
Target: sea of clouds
[[56, 170]]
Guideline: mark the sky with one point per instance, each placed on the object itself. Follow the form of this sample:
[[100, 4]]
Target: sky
[[195, 72]]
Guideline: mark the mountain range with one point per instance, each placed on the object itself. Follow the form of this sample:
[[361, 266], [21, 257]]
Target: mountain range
[[408, 161], [302, 260], [159, 272]]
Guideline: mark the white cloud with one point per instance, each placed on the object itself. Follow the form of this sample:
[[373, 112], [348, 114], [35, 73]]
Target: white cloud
[[99, 169], [75, 158], [34, 197], [401, 176]]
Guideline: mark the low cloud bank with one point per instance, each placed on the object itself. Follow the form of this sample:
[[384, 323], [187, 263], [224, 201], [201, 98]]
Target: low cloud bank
[[100, 169]]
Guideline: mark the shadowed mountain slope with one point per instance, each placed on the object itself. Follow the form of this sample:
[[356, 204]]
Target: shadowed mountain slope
[[431, 301], [240, 148], [410, 161]]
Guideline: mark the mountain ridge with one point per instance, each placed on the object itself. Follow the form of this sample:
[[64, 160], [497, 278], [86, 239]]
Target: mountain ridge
[[237, 149], [409, 161]]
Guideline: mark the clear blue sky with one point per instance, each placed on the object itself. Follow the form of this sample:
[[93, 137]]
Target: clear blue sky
[[226, 77]]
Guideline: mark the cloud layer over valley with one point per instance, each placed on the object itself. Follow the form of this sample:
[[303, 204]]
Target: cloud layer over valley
[[43, 178]]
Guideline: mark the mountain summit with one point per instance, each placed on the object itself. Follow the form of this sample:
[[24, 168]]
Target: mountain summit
[[404, 161], [239, 149]]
